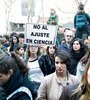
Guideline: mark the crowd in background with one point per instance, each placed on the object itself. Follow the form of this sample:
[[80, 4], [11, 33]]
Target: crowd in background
[[30, 72]]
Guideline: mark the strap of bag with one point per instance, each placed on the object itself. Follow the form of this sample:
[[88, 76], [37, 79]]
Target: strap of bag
[[21, 89]]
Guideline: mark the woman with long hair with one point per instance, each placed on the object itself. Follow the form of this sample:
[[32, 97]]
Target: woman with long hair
[[14, 43], [77, 51], [47, 61], [35, 70]]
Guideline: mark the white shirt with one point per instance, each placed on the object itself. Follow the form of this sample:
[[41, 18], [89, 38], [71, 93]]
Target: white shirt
[[35, 72]]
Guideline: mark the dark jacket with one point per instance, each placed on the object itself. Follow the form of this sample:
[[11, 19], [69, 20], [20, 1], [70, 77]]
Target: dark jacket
[[75, 58], [17, 80], [2, 93], [64, 47], [67, 93], [46, 65], [12, 48]]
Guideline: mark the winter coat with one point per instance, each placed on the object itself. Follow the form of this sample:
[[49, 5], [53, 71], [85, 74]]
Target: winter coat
[[46, 65], [64, 47], [16, 81], [75, 58], [51, 86], [12, 48]]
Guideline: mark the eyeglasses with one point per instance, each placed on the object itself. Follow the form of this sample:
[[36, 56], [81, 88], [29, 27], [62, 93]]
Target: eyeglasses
[[33, 46], [69, 36]]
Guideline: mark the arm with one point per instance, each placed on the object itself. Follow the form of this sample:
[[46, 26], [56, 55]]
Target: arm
[[49, 21], [88, 18], [41, 61], [42, 92]]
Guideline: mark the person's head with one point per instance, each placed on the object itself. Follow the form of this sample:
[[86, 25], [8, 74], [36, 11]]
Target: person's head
[[62, 61], [81, 7], [32, 50], [68, 35], [51, 50], [12, 34], [6, 39], [19, 50], [52, 11], [77, 45], [9, 64], [21, 38], [15, 39]]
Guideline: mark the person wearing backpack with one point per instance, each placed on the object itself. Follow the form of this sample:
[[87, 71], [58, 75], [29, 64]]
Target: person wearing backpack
[[81, 23]]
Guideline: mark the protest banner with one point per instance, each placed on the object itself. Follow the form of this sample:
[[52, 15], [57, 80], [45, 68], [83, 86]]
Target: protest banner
[[37, 34]]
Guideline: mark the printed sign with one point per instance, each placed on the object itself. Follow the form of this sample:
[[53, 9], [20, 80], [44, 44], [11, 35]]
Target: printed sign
[[37, 34]]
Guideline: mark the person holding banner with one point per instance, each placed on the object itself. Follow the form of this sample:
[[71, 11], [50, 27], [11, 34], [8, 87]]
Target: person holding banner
[[35, 71], [47, 61]]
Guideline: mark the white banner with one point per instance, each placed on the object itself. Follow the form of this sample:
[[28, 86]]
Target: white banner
[[36, 34]]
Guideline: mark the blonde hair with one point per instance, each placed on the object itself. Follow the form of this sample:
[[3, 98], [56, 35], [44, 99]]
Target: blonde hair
[[84, 83]]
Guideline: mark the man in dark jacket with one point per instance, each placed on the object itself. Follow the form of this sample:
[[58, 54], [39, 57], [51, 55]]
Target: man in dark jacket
[[81, 23]]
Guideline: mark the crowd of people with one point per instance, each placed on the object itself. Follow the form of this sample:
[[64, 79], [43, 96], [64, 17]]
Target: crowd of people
[[59, 72]]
